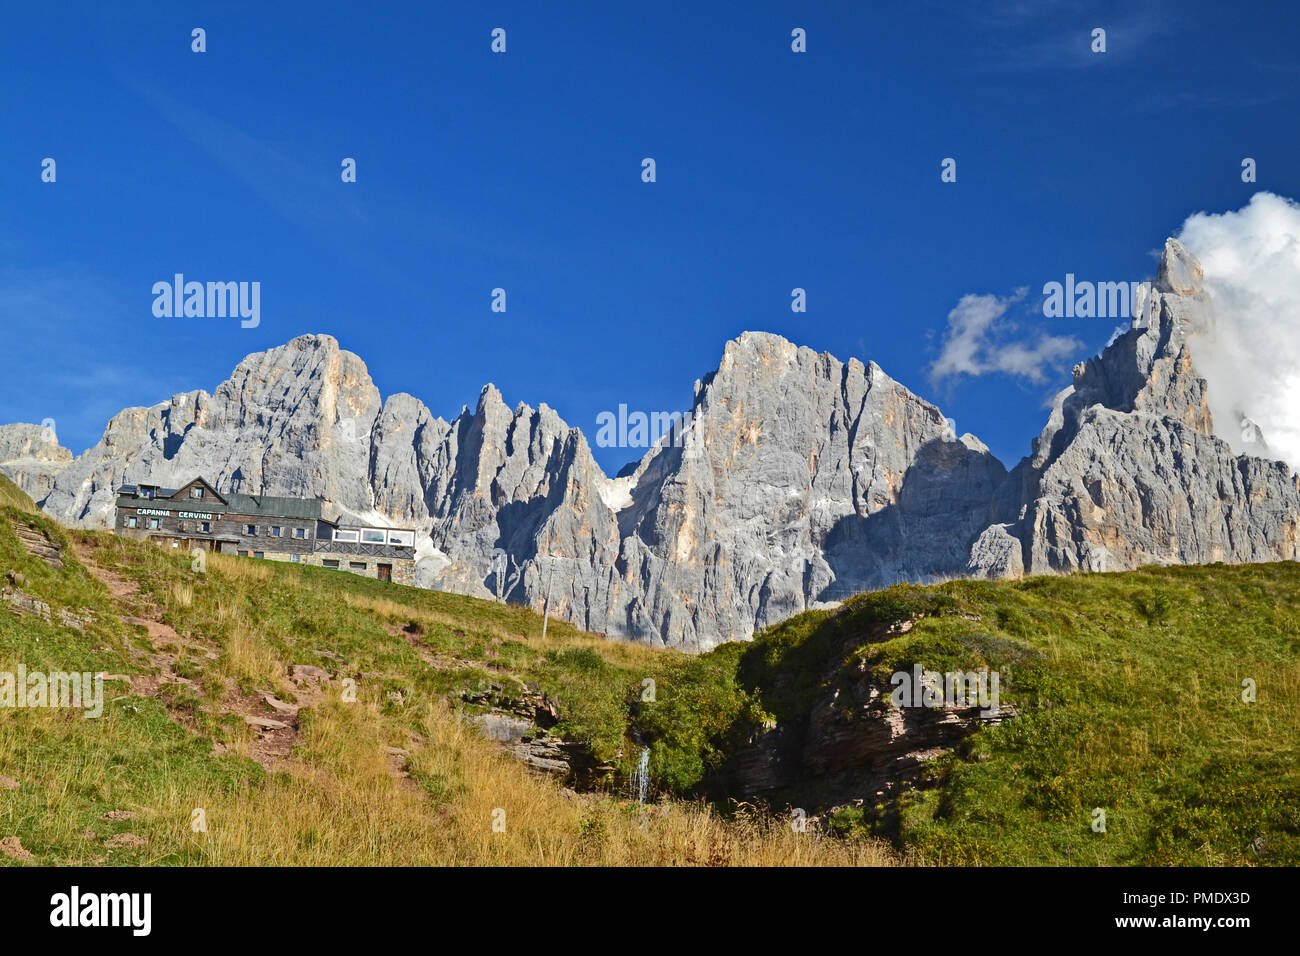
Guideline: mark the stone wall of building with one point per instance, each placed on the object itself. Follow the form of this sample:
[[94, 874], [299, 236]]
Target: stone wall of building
[[403, 569], [367, 565]]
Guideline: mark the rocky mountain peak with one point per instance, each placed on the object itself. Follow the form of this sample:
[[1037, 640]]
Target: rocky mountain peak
[[35, 457], [32, 442], [1179, 271], [801, 479], [1128, 470]]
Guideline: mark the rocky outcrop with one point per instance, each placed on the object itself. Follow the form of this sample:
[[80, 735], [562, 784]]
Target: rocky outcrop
[[522, 722], [39, 545], [801, 479], [853, 744]]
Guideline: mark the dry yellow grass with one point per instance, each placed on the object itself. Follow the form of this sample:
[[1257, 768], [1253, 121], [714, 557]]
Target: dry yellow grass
[[559, 634], [242, 569], [181, 594], [337, 799], [544, 826], [339, 803], [248, 657]]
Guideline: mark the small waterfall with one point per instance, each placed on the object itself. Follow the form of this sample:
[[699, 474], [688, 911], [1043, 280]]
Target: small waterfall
[[641, 777]]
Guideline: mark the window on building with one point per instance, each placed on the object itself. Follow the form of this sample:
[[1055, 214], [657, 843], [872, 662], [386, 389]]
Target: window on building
[[153, 524], [176, 543], [205, 526], [330, 563], [295, 559], [403, 538], [250, 529], [300, 532], [275, 531], [345, 535], [259, 554], [374, 536], [357, 565], [196, 492], [130, 522]]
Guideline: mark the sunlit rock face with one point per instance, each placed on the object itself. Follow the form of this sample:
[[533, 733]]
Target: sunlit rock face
[[799, 480], [1128, 471]]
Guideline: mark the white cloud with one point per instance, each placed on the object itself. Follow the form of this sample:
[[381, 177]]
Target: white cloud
[[978, 341], [1251, 357]]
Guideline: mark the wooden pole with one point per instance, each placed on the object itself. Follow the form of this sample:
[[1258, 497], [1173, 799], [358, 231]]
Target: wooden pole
[[546, 608]]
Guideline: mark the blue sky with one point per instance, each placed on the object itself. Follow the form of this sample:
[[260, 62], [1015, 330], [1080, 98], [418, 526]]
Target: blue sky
[[522, 171]]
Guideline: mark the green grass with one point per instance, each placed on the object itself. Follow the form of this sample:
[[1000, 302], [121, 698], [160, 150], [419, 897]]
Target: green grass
[[1128, 685], [11, 496]]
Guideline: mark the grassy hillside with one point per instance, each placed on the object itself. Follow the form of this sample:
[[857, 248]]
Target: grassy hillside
[[1128, 686], [205, 648], [11, 496]]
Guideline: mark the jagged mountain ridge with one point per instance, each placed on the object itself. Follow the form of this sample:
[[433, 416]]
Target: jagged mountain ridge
[[687, 550], [803, 479]]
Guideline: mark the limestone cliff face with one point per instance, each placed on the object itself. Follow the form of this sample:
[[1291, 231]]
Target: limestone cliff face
[[801, 480], [1128, 470], [32, 456], [804, 480], [292, 421]]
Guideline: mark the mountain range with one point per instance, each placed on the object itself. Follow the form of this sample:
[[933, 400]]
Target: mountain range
[[801, 480]]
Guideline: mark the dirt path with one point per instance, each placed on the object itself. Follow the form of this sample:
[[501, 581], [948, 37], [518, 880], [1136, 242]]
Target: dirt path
[[274, 723]]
